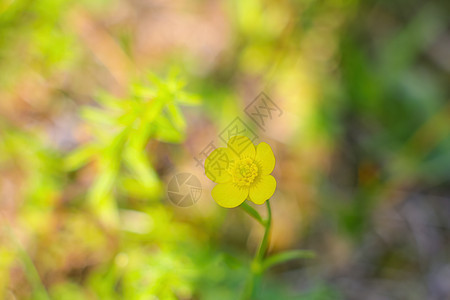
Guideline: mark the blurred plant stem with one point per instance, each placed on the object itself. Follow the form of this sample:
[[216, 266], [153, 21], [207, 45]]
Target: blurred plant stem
[[260, 264], [40, 292], [257, 264]]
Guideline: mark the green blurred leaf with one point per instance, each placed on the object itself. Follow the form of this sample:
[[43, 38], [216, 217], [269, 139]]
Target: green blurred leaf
[[286, 256]]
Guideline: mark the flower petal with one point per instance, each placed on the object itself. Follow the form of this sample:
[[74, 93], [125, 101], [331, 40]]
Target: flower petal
[[263, 189], [264, 155], [242, 146], [228, 195], [216, 165]]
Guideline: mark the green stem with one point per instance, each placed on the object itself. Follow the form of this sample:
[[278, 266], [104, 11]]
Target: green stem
[[257, 264], [265, 241], [30, 270], [260, 263]]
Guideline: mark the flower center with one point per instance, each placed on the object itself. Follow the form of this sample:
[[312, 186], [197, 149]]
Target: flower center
[[243, 171]]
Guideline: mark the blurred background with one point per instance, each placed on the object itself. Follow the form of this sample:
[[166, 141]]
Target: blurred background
[[102, 102]]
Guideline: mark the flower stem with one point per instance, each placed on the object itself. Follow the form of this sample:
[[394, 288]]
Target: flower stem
[[265, 241], [257, 264]]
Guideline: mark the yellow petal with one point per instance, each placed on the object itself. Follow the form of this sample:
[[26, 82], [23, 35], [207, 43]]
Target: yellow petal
[[216, 165], [264, 155], [263, 189], [228, 195], [242, 146]]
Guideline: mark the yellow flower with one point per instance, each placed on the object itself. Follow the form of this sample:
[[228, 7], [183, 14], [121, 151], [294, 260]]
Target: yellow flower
[[241, 172]]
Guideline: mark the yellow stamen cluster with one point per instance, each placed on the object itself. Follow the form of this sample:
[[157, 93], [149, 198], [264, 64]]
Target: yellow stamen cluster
[[244, 171]]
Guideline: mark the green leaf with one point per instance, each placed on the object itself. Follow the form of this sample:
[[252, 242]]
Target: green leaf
[[140, 167], [166, 132], [187, 99], [176, 116], [286, 256], [97, 116], [80, 157]]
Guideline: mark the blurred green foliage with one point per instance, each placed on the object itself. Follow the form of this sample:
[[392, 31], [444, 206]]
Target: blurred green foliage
[[87, 124], [122, 129]]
